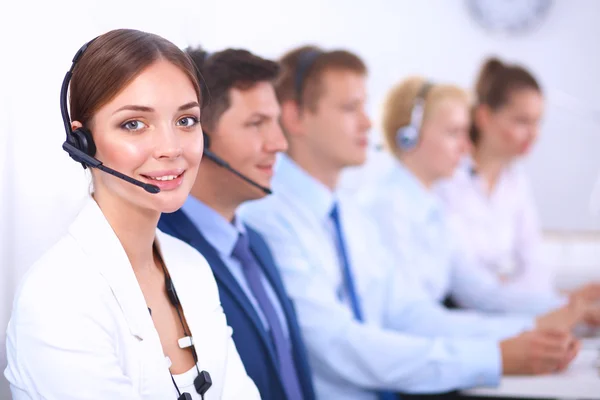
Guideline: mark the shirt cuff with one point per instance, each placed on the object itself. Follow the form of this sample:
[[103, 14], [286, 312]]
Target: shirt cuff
[[483, 364]]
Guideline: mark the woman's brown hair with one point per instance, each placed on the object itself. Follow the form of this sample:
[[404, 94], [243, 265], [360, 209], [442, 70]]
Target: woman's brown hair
[[112, 61], [495, 83]]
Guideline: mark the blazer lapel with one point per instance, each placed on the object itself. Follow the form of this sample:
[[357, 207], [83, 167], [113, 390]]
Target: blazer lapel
[[179, 222], [97, 239]]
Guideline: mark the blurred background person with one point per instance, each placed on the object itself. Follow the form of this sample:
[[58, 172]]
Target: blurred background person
[[369, 330], [425, 126], [489, 198]]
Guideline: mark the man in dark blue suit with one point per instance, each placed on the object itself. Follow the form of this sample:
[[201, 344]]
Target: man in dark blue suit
[[242, 132]]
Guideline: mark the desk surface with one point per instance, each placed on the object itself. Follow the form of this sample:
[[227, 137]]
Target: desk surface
[[580, 381]]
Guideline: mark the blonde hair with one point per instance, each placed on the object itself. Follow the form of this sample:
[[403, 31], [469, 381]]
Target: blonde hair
[[399, 103]]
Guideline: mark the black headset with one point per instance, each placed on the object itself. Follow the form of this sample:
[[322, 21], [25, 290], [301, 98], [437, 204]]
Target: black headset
[[305, 61], [80, 143], [407, 136]]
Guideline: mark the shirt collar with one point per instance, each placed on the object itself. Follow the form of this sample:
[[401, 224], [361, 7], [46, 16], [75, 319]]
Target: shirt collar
[[303, 187], [220, 233]]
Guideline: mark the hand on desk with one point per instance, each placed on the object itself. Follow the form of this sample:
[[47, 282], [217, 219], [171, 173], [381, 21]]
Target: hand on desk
[[589, 294], [542, 351], [592, 314], [567, 317]]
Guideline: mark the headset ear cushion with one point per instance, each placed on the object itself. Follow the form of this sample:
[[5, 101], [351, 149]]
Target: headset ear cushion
[[407, 137], [84, 141]]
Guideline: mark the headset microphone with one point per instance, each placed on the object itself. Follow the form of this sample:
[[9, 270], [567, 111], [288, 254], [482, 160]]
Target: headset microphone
[[80, 143], [224, 164], [92, 162]]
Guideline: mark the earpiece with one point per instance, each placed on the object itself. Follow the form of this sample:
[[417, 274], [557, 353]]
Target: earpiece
[[407, 136], [82, 139]]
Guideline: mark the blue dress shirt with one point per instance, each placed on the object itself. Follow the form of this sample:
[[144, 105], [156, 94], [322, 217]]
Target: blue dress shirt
[[406, 343], [416, 229]]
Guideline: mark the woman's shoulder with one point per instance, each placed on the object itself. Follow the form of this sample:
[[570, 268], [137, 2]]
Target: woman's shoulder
[[57, 283]]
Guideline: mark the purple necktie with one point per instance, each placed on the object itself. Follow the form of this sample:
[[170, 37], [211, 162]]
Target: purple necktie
[[283, 348]]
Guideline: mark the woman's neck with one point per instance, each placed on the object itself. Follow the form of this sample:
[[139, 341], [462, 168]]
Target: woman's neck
[[135, 228], [424, 178], [489, 166]]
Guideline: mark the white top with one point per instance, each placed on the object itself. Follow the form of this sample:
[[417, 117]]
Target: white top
[[415, 228], [500, 230], [407, 343], [185, 383], [80, 327]]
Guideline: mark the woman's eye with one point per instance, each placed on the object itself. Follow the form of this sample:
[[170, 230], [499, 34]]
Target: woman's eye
[[134, 125], [187, 121]]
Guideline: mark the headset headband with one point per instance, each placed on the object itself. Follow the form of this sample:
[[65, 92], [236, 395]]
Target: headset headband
[[305, 62], [416, 115], [65, 88]]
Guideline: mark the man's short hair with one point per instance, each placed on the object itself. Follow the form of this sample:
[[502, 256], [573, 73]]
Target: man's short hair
[[302, 69], [228, 69]]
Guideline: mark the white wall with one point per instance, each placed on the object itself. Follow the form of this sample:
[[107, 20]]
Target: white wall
[[436, 38], [6, 270], [442, 42]]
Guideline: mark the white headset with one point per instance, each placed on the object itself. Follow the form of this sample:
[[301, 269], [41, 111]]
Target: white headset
[[407, 136]]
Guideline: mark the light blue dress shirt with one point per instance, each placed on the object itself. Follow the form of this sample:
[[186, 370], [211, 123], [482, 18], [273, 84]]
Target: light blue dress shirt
[[223, 235], [407, 342], [416, 229]]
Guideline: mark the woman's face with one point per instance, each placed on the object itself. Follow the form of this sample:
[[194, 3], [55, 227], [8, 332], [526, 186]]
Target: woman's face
[[512, 129], [151, 132], [444, 139]]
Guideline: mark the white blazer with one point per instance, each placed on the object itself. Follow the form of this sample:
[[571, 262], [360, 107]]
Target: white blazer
[[80, 327]]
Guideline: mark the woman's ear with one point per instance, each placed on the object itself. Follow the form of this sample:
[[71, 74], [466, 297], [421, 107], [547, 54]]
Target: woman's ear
[[76, 125]]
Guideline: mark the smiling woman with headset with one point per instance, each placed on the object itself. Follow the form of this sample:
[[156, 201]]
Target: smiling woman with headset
[[98, 316]]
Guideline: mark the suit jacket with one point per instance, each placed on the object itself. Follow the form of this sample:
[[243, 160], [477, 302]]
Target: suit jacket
[[80, 326], [251, 339]]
